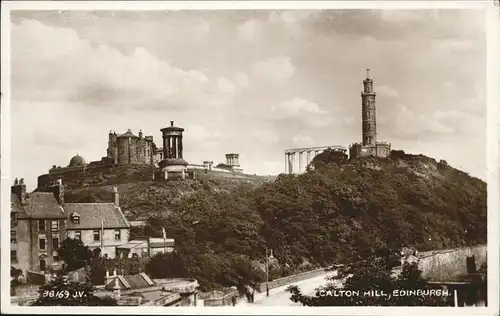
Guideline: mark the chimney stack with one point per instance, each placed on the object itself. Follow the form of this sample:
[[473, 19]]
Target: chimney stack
[[171, 123], [116, 289], [140, 134], [57, 188], [19, 189], [117, 196]]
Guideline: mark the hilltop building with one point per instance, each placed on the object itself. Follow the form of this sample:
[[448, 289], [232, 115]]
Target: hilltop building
[[232, 163], [125, 151], [129, 149], [230, 166], [369, 145], [173, 165]]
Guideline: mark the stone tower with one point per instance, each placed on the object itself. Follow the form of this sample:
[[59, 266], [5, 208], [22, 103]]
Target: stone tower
[[172, 141], [173, 165], [368, 112]]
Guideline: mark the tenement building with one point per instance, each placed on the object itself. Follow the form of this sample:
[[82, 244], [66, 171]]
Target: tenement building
[[37, 227], [40, 221], [98, 225], [369, 145]]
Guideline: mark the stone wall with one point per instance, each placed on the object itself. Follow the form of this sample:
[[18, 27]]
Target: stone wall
[[445, 265], [98, 175], [291, 279], [219, 298]]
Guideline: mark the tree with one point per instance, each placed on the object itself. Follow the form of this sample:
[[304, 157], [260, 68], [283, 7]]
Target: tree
[[74, 253], [15, 275], [375, 285], [59, 292], [329, 155]]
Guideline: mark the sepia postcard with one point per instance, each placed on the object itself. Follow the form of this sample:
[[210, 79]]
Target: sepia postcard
[[307, 157]]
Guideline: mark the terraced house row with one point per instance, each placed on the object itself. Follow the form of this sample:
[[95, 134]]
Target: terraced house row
[[40, 221]]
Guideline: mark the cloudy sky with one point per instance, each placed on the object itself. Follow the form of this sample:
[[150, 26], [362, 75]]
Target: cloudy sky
[[251, 82]]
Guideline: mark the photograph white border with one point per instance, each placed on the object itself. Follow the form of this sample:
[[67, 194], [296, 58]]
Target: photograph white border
[[492, 19]]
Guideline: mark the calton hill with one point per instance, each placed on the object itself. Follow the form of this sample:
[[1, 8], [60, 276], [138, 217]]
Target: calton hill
[[357, 213]]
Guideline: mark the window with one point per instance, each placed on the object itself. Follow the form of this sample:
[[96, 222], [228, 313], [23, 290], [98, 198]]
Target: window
[[41, 225], [97, 235], [13, 256], [13, 237], [75, 218], [42, 244], [118, 235], [55, 256], [55, 243], [55, 225], [13, 218], [78, 235], [43, 264]]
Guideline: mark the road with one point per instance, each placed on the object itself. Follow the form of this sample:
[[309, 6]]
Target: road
[[279, 297]]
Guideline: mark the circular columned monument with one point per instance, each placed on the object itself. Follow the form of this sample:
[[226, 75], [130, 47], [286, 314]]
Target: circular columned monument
[[173, 165]]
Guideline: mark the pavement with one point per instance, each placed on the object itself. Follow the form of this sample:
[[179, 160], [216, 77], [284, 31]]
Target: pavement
[[280, 297]]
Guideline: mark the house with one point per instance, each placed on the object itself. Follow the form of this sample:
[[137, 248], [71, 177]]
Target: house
[[37, 227], [141, 290], [98, 225], [145, 247]]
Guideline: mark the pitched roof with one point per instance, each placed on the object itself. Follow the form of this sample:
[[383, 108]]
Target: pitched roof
[[91, 214], [42, 205], [131, 282]]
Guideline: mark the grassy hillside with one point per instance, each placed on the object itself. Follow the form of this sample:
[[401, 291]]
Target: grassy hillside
[[141, 199], [338, 211]]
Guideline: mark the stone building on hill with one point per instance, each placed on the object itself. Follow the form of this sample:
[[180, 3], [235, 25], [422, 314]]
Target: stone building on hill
[[173, 165], [124, 151], [369, 145], [232, 163], [128, 148]]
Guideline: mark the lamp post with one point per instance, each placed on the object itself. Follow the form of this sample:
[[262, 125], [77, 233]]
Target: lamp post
[[102, 234], [267, 270]]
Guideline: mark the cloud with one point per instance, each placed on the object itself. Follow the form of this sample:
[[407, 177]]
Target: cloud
[[250, 30], [292, 16], [298, 113], [274, 69], [303, 141], [387, 91], [297, 106], [75, 69], [242, 80], [406, 123]]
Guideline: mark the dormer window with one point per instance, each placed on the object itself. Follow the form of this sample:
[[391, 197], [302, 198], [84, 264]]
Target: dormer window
[[75, 218]]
